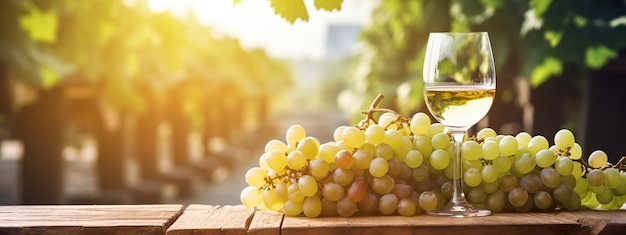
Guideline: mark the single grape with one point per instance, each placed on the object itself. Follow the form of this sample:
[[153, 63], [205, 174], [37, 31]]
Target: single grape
[[402, 190], [276, 160], [550, 177], [490, 150], [420, 124], [435, 128], [312, 207], [282, 190], [440, 141], [369, 204], [489, 174], [543, 200], [613, 177], [309, 146], [344, 159], [393, 138], [276, 145], [296, 160], [486, 133], [388, 203], [508, 145], [346, 207], [308, 185], [598, 159], [374, 134], [383, 151], [255, 176], [271, 200], [343, 176], [294, 134], [394, 168], [388, 120], [332, 191], [605, 197], [564, 139], [577, 169], [353, 137], [477, 195], [596, 177], [250, 196], [357, 190], [496, 201], [362, 159], [502, 164], [524, 164], [318, 168], [428, 201], [563, 192], [294, 194], [523, 138], [413, 158], [545, 158], [531, 183], [378, 167], [439, 159], [576, 152], [471, 150], [537, 143], [407, 207], [472, 177], [338, 132], [423, 144], [508, 182], [292, 208], [383, 185], [518, 197]]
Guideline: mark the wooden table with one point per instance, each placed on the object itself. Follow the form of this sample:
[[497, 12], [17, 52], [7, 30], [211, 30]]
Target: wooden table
[[92, 219], [206, 219]]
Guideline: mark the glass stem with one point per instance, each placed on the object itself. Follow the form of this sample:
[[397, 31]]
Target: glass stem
[[458, 196]]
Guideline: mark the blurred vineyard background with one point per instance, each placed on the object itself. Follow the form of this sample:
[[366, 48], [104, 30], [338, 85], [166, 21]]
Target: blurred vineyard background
[[114, 102]]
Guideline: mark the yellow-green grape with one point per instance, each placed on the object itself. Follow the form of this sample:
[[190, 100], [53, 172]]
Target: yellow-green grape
[[276, 160], [328, 151], [263, 161], [576, 152], [353, 137], [524, 164], [472, 177], [309, 146], [294, 134], [294, 194], [341, 145], [596, 177], [271, 200], [564, 166], [490, 150], [440, 141], [486, 133], [318, 168], [338, 132], [296, 160], [582, 187], [435, 128], [423, 144], [613, 177], [598, 159], [393, 138], [255, 176], [489, 174], [545, 158], [577, 169], [564, 139], [383, 151], [378, 167], [537, 143], [375, 134], [292, 208], [413, 158], [439, 159], [276, 145], [621, 189], [523, 138], [471, 150], [387, 120], [281, 190], [308, 185], [428, 201], [407, 207], [502, 164], [420, 124], [250, 196], [508, 145], [312, 207], [333, 191], [405, 146]]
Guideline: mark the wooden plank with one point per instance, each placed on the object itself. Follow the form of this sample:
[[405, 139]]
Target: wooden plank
[[209, 220], [88, 219], [600, 222], [499, 223], [265, 222]]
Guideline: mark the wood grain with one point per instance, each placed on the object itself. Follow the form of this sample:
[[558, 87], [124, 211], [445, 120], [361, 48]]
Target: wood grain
[[209, 220], [266, 223], [88, 219]]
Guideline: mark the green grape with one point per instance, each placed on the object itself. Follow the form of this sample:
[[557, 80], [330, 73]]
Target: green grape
[[564, 139], [439, 159], [489, 174], [294, 194], [613, 177], [357, 190], [502, 164], [471, 150], [576, 152], [250, 196], [537, 143], [523, 138], [276, 160], [312, 207], [490, 150], [369, 148], [577, 169], [378, 167], [344, 159], [276, 145], [423, 144], [292, 208], [564, 166], [550, 178], [388, 120], [518, 197], [341, 145], [362, 159], [328, 152], [406, 145], [496, 201], [319, 168], [308, 185], [383, 185], [296, 160], [428, 201], [477, 196], [375, 134], [332, 191], [271, 200], [346, 207], [343, 176], [338, 132], [582, 186], [440, 141], [621, 189], [388, 203], [413, 158], [597, 189], [421, 173], [420, 124], [353, 137], [309, 146], [486, 133], [508, 182], [281, 190], [255, 176], [263, 162], [383, 151], [407, 207], [393, 138], [508, 145], [524, 164], [605, 197], [545, 158], [531, 183], [472, 177], [294, 134], [596, 177], [598, 159], [435, 128]]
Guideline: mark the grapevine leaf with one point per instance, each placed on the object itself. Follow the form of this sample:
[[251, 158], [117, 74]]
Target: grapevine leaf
[[597, 56], [328, 5], [540, 6], [542, 72], [41, 26], [553, 37], [290, 10]]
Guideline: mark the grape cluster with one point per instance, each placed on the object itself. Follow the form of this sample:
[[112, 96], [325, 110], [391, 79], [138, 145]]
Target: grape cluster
[[397, 165]]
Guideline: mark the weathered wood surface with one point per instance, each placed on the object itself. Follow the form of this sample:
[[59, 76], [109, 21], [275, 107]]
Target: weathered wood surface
[[88, 219], [208, 220]]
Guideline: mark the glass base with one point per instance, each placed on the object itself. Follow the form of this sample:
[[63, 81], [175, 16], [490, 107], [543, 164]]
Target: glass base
[[461, 209]]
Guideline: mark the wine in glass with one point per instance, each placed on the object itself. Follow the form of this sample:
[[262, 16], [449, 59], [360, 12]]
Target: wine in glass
[[459, 89]]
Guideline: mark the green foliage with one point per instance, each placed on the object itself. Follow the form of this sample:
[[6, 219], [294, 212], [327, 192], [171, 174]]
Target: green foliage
[[293, 10]]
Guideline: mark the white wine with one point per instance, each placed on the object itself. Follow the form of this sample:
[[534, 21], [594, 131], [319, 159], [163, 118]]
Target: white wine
[[459, 106]]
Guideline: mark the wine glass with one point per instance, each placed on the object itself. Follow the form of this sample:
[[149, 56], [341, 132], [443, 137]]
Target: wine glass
[[459, 89]]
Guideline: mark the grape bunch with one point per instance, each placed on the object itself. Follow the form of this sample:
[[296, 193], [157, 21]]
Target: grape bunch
[[402, 166]]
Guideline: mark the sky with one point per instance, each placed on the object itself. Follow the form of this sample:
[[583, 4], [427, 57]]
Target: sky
[[256, 25]]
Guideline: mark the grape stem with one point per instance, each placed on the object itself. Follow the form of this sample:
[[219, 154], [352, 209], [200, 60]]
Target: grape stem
[[373, 108]]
